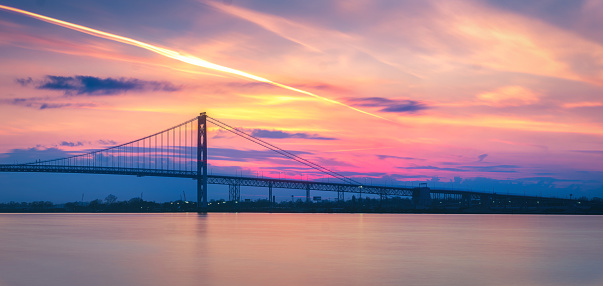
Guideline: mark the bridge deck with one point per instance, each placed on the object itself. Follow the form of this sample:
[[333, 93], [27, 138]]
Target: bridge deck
[[255, 181]]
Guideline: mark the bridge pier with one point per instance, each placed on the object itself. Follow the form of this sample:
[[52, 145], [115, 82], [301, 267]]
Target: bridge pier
[[270, 193], [485, 201], [421, 197], [466, 199], [382, 196], [307, 193], [200, 195], [234, 193]]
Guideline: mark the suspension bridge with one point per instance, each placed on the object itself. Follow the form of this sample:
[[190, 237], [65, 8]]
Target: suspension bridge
[[181, 152]]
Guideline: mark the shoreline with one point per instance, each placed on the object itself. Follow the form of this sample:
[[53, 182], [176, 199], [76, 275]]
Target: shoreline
[[516, 212]]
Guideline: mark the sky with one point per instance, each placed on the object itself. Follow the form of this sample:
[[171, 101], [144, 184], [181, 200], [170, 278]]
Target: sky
[[493, 96]]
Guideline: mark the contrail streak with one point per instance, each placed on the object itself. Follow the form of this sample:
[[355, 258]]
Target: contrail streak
[[175, 55]]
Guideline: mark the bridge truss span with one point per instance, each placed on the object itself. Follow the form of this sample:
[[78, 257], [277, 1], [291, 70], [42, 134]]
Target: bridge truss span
[[214, 179]]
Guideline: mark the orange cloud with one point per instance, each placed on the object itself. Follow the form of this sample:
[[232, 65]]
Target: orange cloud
[[508, 123], [509, 96], [447, 35], [290, 30], [511, 42], [178, 56], [341, 45], [582, 104]]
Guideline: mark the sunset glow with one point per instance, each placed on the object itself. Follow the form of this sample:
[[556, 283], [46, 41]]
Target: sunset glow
[[498, 96], [174, 55]]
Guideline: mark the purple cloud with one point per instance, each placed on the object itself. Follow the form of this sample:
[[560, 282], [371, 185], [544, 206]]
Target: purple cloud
[[390, 105], [383, 157], [277, 134], [482, 157], [488, 169], [90, 85], [71, 144], [43, 103], [600, 152]]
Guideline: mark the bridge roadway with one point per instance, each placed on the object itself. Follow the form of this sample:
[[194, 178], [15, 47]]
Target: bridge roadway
[[275, 183]]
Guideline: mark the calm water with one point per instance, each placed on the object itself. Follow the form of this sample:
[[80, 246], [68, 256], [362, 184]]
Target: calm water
[[300, 249]]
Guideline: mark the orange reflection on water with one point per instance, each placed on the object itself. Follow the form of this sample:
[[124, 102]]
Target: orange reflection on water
[[299, 249]]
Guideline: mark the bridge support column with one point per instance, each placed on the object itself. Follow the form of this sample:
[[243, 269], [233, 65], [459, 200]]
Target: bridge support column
[[234, 193], [270, 194], [485, 201], [466, 201], [421, 197], [307, 193], [202, 162], [340, 196]]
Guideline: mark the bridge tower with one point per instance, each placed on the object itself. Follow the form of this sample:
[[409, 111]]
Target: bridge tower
[[421, 196], [202, 162]]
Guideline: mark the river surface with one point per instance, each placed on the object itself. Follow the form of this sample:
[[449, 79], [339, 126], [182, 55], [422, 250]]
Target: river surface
[[300, 249]]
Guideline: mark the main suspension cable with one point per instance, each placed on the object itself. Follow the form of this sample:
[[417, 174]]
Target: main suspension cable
[[281, 151]]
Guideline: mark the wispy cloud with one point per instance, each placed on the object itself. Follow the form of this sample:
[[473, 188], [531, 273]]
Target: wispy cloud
[[598, 152], [509, 96], [487, 169], [448, 34], [383, 157], [71, 144], [106, 142], [28, 155], [482, 157], [91, 85], [316, 85], [433, 168], [494, 169], [45, 103], [390, 105], [277, 134], [235, 155], [582, 104]]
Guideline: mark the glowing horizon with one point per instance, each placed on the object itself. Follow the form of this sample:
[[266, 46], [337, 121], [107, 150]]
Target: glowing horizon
[[475, 94]]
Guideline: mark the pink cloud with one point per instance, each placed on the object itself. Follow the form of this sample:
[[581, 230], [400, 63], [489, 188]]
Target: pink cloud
[[509, 96], [582, 104]]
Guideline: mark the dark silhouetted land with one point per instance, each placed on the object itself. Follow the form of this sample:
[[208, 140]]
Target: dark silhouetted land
[[365, 205]]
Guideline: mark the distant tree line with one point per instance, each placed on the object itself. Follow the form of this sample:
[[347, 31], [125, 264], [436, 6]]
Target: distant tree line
[[110, 204], [387, 205]]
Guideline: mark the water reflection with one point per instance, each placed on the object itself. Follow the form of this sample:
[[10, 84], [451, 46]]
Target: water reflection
[[299, 249]]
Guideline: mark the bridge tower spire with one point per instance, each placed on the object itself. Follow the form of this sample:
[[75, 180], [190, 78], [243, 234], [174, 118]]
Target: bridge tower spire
[[202, 162]]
